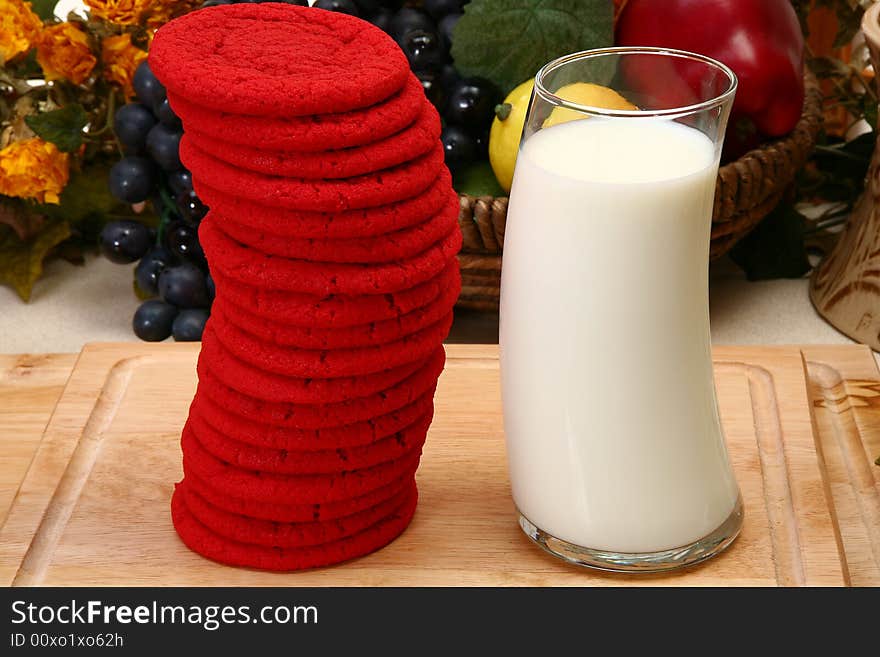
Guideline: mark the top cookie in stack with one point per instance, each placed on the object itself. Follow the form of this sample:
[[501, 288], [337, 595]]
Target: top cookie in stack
[[331, 238]]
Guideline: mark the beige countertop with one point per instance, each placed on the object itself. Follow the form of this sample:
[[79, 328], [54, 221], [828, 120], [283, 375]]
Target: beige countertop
[[74, 305]]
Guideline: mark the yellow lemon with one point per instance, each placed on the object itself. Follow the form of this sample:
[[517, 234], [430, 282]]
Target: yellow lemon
[[586, 93], [506, 132]]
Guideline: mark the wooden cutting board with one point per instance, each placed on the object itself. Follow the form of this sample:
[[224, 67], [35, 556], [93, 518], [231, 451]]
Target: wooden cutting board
[[30, 385], [93, 506]]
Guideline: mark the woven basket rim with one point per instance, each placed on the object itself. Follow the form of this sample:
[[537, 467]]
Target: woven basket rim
[[747, 188], [812, 111]]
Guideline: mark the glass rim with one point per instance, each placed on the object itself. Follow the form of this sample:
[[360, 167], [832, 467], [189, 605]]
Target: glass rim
[[683, 110]]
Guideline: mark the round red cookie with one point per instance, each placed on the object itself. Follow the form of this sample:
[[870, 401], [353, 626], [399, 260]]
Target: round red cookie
[[258, 269], [323, 416], [291, 489], [362, 335], [334, 311], [299, 462], [410, 143], [267, 436], [366, 222], [316, 133], [389, 247], [263, 384], [255, 531], [365, 191], [273, 60], [297, 512], [202, 540], [328, 363]]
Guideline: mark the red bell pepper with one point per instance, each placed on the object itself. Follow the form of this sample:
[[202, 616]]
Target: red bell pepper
[[760, 40]]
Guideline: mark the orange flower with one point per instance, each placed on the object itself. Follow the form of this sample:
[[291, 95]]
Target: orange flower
[[120, 58], [140, 12], [162, 11], [19, 28], [34, 169], [63, 52], [121, 12]]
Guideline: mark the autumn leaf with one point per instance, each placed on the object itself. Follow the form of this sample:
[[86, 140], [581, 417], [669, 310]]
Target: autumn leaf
[[21, 261], [21, 219]]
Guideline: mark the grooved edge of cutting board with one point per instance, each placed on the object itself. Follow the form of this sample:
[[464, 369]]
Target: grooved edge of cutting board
[[806, 549], [845, 394], [30, 385]]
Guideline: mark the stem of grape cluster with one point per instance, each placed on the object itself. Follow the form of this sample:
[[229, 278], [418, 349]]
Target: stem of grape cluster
[[164, 213]]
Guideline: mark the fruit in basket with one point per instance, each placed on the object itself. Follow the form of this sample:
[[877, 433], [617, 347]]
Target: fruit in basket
[[586, 93], [511, 115], [506, 132], [760, 40]]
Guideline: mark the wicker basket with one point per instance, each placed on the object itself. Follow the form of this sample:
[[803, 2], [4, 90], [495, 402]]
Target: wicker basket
[[747, 190]]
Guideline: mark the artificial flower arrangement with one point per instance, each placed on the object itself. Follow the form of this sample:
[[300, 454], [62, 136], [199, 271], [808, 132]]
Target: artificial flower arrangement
[[60, 81]]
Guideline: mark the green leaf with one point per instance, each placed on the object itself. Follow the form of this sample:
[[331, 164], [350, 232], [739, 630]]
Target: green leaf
[[775, 249], [45, 9], [841, 167], [477, 180], [63, 127], [507, 41], [21, 262], [87, 193]]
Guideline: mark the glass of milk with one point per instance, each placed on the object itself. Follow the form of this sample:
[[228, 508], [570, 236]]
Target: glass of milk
[[615, 450]]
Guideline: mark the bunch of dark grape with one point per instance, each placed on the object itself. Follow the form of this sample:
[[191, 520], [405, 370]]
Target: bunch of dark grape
[[172, 267], [172, 264], [423, 30]]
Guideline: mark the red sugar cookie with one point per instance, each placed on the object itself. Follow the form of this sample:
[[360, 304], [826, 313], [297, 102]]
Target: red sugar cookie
[[291, 489], [367, 222], [315, 133], [273, 60], [365, 191], [334, 311], [213, 546], [267, 436], [263, 384], [300, 462], [254, 268], [389, 247], [323, 416], [410, 143], [328, 363], [362, 335], [297, 512], [287, 535]]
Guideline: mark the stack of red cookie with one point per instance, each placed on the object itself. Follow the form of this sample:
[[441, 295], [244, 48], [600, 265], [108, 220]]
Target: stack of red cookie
[[331, 239]]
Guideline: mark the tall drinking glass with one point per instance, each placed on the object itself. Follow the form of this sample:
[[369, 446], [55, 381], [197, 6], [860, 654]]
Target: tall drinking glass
[[615, 450]]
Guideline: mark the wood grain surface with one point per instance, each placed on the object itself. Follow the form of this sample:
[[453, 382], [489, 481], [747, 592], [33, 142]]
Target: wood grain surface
[[29, 388], [845, 392], [93, 507]]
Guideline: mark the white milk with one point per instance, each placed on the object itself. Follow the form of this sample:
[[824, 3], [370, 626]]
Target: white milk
[[612, 426]]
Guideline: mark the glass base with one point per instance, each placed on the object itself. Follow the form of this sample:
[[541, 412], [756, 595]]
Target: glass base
[[641, 562]]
